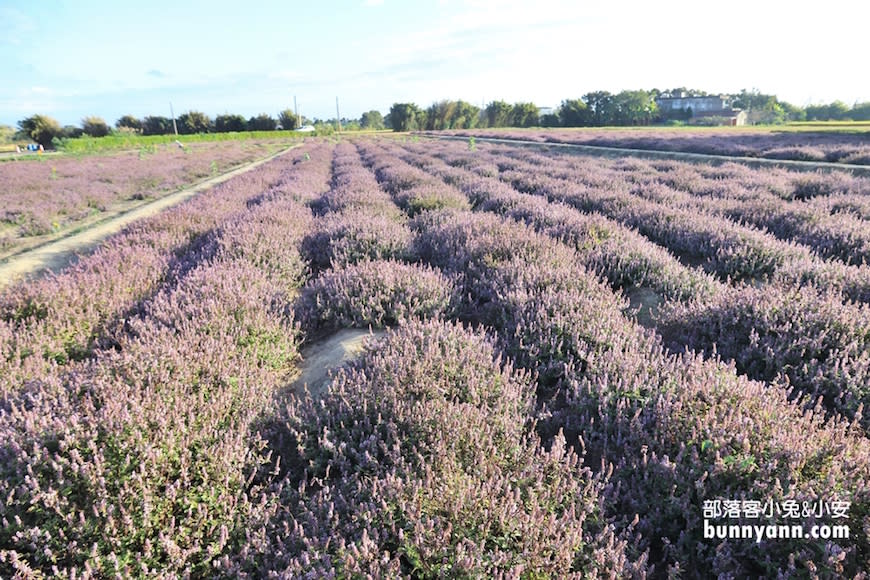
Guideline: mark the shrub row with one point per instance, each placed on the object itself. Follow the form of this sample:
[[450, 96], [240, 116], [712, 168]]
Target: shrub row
[[745, 197], [420, 461], [140, 462], [621, 255], [359, 221], [62, 318], [727, 249], [677, 428], [810, 339], [147, 457], [798, 337]]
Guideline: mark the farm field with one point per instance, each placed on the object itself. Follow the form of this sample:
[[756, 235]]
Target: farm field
[[43, 196], [848, 145], [88, 145], [571, 359]]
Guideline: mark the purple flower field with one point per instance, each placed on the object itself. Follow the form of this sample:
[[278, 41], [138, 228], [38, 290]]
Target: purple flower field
[[525, 415], [850, 148], [40, 196]]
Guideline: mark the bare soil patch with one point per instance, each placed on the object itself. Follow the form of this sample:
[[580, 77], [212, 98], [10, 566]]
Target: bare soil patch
[[322, 358]]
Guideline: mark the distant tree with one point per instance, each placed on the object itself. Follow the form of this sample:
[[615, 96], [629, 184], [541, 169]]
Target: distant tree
[[497, 114], [601, 107], [763, 108], [71, 132], [574, 113], [322, 127], [156, 125], [523, 115], [633, 108], [772, 113], [860, 112], [438, 115], [262, 122], [751, 100], [793, 112], [465, 116], [229, 123], [348, 124], [7, 134], [331, 122], [193, 122], [777, 113], [760, 108], [449, 114], [129, 122], [288, 120], [41, 128], [95, 127], [550, 120], [372, 120], [817, 112], [420, 118], [407, 117], [837, 110]]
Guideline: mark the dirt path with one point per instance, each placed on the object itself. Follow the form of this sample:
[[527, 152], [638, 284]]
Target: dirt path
[[327, 355], [56, 254], [860, 170]]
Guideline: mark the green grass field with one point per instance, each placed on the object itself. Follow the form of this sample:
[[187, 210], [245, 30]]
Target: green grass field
[[835, 126], [83, 145], [121, 142]]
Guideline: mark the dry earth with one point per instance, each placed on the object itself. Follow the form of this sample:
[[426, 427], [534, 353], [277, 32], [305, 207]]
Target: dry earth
[[323, 357]]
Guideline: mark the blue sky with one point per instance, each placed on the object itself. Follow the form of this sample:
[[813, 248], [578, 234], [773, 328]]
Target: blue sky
[[72, 58]]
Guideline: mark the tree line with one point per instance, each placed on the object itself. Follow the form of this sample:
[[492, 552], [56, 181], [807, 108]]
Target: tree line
[[47, 131], [602, 108], [594, 109]]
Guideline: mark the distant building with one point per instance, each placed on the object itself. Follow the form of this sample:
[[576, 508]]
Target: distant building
[[701, 110], [696, 104]]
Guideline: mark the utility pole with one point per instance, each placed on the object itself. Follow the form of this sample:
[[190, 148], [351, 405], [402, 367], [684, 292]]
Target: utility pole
[[171, 112], [296, 112], [337, 115]]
